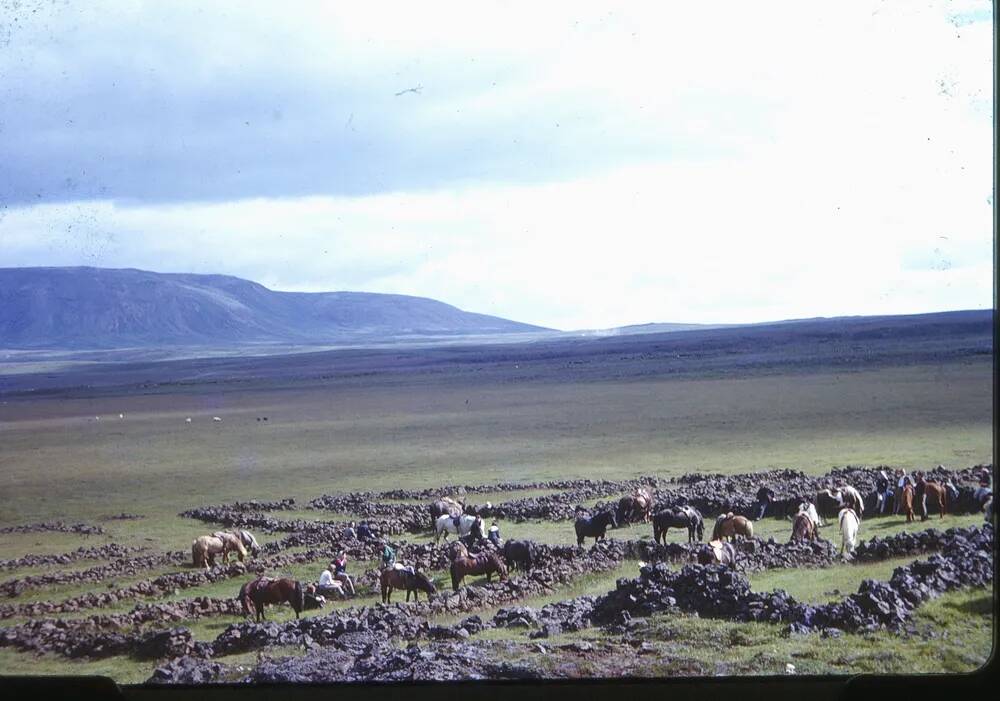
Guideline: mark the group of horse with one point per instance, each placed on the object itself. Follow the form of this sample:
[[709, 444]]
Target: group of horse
[[449, 519]]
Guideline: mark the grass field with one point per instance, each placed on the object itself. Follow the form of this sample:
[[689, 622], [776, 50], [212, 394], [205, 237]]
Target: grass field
[[58, 462]]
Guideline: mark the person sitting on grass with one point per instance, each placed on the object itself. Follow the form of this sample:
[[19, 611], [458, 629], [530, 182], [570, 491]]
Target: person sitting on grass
[[364, 531], [329, 586], [350, 531], [494, 535]]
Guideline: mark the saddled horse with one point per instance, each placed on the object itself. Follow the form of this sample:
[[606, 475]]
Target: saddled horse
[[233, 544], [717, 552], [413, 582], [906, 502], [849, 525], [595, 527], [938, 494], [456, 548], [485, 563], [730, 526], [206, 547], [635, 507], [467, 524], [809, 509], [520, 554], [446, 506], [846, 497], [263, 591], [679, 517], [803, 527]]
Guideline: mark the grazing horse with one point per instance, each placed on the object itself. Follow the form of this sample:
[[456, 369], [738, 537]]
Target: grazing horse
[[730, 526], [595, 527], [412, 582], [467, 524], [635, 507], [803, 527], [717, 552], [849, 524], [680, 517], [519, 553], [272, 591], [249, 542], [206, 547], [485, 563], [938, 494], [906, 503], [233, 544]]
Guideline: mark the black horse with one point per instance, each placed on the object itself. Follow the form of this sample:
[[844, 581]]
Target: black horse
[[681, 517], [519, 554], [595, 527]]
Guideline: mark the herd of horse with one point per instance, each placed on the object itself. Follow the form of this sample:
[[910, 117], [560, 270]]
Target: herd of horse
[[448, 518]]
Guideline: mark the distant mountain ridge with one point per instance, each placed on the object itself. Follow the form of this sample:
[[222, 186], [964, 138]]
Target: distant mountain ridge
[[83, 307]]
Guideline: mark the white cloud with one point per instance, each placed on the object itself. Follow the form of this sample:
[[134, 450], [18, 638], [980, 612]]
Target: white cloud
[[760, 162]]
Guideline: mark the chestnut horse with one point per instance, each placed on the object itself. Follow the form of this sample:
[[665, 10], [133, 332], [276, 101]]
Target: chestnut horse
[[803, 527], [730, 526], [938, 493], [414, 583], [906, 503], [263, 591], [485, 563]]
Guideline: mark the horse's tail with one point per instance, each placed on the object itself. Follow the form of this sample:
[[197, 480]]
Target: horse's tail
[[245, 602], [194, 553], [749, 529], [299, 604]]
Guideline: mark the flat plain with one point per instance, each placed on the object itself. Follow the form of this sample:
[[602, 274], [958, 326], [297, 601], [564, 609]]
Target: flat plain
[[355, 420]]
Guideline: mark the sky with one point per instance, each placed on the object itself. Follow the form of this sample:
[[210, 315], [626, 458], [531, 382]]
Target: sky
[[574, 165]]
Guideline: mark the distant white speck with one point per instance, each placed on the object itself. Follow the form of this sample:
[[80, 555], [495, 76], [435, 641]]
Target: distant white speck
[[789, 668], [216, 418], [121, 416], [188, 420]]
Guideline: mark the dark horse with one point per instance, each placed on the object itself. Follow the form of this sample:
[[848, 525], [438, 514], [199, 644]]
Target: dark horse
[[271, 591], [485, 563], [402, 579], [680, 517], [803, 528], [717, 552], [519, 553], [595, 527]]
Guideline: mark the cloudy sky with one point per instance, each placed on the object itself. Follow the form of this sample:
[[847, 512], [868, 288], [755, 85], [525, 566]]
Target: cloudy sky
[[574, 165]]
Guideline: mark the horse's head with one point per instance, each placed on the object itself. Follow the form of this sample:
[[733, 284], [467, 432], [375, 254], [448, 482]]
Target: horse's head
[[424, 583]]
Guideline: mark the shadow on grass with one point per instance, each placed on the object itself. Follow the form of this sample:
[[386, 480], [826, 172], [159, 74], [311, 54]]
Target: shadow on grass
[[981, 606]]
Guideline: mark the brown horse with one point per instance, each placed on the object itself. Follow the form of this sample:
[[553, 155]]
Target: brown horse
[[730, 526], [907, 502], [717, 552], [938, 493], [263, 591], [636, 507], [485, 563], [414, 583], [803, 527]]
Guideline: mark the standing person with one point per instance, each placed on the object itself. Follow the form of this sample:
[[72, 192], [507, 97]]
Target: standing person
[[340, 573], [764, 497], [901, 480], [920, 494], [882, 487], [388, 556]]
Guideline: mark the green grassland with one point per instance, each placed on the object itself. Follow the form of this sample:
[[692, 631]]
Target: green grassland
[[57, 462]]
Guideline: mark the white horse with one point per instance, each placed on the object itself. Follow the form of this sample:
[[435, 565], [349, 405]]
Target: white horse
[[445, 524], [848, 531], [249, 542]]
